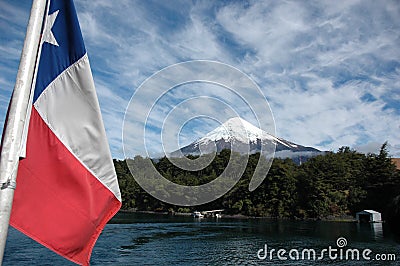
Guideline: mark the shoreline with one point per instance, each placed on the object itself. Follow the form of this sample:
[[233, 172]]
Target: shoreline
[[346, 219]]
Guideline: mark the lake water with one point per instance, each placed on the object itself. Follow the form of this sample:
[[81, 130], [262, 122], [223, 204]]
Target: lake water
[[146, 239]]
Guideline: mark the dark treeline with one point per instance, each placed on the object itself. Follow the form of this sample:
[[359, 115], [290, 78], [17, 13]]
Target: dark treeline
[[333, 184]]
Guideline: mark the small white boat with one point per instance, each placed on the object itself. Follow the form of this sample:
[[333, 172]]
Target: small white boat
[[197, 214]]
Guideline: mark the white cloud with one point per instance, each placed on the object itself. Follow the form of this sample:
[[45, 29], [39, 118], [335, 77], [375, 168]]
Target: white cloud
[[316, 61]]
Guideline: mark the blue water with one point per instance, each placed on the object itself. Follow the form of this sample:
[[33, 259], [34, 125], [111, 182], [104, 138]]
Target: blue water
[[144, 239]]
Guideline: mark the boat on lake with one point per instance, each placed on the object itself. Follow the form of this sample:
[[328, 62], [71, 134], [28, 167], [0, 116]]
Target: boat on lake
[[197, 214]]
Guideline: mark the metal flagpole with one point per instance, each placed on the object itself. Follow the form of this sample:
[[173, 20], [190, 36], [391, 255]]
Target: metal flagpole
[[14, 127]]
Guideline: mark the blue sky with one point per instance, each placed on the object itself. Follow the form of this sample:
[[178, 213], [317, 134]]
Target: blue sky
[[330, 70]]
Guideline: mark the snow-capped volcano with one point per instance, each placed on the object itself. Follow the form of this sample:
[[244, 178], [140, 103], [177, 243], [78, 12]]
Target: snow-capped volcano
[[240, 130], [239, 135]]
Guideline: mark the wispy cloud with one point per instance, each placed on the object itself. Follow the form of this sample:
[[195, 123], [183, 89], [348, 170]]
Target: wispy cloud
[[316, 61]]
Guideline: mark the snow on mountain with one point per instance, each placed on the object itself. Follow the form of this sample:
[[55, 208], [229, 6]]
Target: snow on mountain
[[239, 129], [241, 136]]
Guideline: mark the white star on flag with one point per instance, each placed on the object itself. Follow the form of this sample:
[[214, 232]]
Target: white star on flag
[[47, 33]]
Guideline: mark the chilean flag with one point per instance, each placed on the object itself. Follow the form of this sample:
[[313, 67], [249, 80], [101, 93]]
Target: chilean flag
[[67, 189]]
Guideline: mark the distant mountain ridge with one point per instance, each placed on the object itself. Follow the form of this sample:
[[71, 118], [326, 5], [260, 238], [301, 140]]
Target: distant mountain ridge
[[239, 135]]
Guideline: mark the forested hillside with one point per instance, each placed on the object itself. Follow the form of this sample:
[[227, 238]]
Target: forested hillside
[[333, 184]]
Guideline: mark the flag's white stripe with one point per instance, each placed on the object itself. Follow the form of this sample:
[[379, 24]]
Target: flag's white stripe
[[70, 108]]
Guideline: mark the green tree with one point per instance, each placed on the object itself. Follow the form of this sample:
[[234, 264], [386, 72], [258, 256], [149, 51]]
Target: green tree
[[382, 180]]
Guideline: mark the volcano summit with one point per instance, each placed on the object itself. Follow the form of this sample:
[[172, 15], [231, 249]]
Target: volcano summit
[[240, 136]]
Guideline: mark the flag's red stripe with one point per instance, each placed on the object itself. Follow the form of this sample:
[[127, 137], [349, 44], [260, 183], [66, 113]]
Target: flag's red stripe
[[58, 202]]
